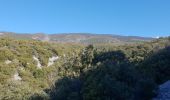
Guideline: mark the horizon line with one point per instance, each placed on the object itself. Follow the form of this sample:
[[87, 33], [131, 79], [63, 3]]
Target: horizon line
[[92, 33]]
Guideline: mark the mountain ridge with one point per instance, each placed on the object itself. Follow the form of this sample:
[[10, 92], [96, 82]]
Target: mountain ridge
[[83, 38]]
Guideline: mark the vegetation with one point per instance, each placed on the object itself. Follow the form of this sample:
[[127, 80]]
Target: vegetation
[[93, 72]]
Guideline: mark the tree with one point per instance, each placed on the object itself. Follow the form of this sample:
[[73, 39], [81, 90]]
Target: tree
[[87, 57]]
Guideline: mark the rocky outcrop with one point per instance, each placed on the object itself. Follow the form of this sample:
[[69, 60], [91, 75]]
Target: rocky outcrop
[[52, 60], [164, 91], [38, 62]]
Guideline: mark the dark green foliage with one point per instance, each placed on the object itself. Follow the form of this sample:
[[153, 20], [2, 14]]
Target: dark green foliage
[[157, 65], [87, 56], [114, 79], [110, 56], [146, 89], [66, 89], [39, 97], [119, 74]]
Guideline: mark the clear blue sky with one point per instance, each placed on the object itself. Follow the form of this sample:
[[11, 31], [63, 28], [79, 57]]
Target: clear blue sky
[[124, 17]]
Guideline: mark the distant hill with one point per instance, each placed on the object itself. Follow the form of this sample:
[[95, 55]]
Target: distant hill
[[84, 38]]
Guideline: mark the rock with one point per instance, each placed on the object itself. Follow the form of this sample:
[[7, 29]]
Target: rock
[[38, 62], [164, 91], [8, 62], [17, 77], [52, 60]]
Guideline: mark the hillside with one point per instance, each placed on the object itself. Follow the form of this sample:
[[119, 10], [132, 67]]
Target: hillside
[[83, 38], [37, 70], [27, 67]]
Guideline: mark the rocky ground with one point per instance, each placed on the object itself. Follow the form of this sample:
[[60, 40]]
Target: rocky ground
[[164, 91]]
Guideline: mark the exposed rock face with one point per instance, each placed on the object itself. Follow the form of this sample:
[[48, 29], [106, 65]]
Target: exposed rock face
[[38, 62], [17, 77], [164, 92], [52, 60], [8, 62]]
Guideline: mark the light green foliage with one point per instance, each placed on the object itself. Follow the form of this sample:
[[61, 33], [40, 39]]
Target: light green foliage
[[93, 72], [20, 54]]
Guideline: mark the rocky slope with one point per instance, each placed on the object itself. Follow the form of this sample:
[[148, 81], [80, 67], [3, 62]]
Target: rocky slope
[[164, 91]]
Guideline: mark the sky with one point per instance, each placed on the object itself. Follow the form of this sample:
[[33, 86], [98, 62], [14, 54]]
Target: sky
[[150, 18]]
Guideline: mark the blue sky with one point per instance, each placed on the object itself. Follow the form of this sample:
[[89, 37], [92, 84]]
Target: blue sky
[[123, 17]]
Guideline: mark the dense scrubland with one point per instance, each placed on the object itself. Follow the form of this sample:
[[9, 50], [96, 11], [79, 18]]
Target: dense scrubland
[[82, 72]]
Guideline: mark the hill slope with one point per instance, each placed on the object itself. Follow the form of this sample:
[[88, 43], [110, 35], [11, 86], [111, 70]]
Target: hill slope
[[83, 38], [31, 69]]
